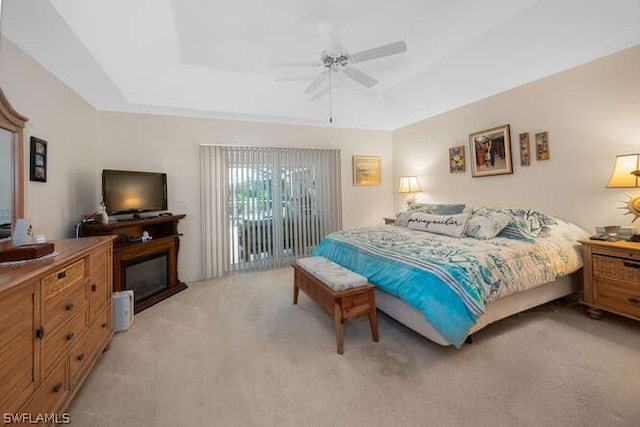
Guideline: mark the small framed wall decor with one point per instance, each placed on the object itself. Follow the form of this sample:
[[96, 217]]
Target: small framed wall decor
[[491, 152], [456, 159], [525, 149], [38, 160], [542, 146], [367, 170]]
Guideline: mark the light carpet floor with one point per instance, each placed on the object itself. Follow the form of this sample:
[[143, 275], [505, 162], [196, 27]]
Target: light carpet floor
[[236, 352]]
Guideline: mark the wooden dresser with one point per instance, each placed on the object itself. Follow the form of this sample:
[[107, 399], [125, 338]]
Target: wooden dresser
[[55, 321], [612, 277]]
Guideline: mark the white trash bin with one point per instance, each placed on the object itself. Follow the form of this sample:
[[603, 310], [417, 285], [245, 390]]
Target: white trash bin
[[122, 310]]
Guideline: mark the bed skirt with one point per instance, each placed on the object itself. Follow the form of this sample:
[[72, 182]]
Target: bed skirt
[[494, 311]]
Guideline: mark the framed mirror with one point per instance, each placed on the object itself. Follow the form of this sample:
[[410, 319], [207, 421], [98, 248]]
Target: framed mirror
[[12, 125]]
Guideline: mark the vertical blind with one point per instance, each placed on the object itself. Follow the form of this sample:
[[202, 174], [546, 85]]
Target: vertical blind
[[263, 207]]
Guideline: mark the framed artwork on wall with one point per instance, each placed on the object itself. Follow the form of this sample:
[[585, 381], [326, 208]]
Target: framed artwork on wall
[[456, 159], [542, 146], [38, 160], [525, 149], [367, 170], [491, 152]]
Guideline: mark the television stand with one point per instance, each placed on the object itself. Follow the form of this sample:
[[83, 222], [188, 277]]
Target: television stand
[[148, 266]]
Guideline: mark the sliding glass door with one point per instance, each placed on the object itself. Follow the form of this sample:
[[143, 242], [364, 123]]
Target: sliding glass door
[[277, 203]]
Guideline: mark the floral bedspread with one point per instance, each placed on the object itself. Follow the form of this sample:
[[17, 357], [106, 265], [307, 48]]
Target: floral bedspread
[[450, 279]]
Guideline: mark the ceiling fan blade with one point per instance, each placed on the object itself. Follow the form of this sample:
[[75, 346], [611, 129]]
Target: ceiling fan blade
[[360, 77], [315, 83], [291, 79], [379, 52], [294, 64]]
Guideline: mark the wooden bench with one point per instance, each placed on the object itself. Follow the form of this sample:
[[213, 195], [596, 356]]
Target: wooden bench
[[342, 293]]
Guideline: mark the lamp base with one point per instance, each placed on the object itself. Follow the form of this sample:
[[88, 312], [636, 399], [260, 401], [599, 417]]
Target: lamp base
[[410, 200]]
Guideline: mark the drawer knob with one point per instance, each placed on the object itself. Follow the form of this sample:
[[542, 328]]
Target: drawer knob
[[69, 307], [70, 336], [57, 388], [104, 325], [81, 357], [633, 300], [94, 287], [62, 275], [40, 332]]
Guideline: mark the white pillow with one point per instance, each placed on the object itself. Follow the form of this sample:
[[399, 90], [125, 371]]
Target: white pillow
[[449, 225], [487, 226]]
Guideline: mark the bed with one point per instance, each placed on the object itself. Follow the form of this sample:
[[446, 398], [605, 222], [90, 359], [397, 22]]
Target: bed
[[435, 273]]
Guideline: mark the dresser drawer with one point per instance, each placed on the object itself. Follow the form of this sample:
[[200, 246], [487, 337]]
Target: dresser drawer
[[91, 346], [51, 393], [60, 342], [617, 296], [64, 305], [622, 270], [63, 278]]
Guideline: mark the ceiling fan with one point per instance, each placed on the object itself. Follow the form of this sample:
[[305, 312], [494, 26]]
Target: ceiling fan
[[336, 62], [343, 62]]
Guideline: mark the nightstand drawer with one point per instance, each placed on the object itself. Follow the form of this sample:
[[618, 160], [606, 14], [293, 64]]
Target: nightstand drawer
[[622, 270], [618, 296]]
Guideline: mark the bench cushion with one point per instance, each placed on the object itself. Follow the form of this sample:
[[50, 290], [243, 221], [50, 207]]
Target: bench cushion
[[331, 274]]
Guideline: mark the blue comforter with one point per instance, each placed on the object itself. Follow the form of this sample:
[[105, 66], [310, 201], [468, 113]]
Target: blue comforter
[[451, 279]]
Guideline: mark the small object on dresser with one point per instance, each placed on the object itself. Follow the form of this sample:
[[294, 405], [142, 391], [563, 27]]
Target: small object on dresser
[[25, 252], [23, 233]]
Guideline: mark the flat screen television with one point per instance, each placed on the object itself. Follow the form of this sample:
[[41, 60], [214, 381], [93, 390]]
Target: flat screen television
[[126, 192]]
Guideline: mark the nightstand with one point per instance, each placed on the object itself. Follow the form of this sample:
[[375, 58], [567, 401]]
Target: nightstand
[[612, 277], [389, 220]]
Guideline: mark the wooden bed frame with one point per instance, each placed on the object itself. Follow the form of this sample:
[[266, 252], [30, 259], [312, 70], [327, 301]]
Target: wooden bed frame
[[494, 311]]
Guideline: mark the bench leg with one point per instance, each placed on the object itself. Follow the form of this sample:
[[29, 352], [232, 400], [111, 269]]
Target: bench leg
[[296, 291], [373, 317], [339, 324]]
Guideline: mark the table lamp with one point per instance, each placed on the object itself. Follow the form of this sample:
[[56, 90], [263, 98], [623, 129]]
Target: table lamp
[[626, 174], [409, 185]]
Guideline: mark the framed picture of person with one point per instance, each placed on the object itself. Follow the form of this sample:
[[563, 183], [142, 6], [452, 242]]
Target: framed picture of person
[[491, 152]]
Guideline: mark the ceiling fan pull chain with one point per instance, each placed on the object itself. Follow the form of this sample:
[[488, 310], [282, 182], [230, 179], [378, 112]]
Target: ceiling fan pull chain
[[330, 100]]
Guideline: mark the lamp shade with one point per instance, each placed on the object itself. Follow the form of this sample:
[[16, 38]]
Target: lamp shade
[[626, 173], [409, 184]]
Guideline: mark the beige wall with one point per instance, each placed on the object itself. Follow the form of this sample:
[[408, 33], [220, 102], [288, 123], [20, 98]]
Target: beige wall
[[170, 144], [59, 116], [592, 113]]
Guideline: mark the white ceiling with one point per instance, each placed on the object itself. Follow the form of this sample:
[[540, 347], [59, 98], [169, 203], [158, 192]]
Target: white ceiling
[[215, 59]]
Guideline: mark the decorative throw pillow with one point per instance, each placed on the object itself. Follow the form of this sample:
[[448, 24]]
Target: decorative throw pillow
[[483, 227], [525, 224], [450, 225], [438, 208]]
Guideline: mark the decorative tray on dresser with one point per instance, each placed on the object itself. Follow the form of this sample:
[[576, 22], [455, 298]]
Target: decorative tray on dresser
[[55, 321], [612, 277]]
